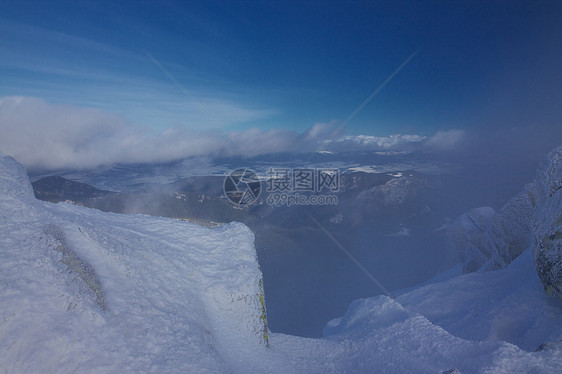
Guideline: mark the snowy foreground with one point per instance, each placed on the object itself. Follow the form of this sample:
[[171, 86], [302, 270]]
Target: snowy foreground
[[86, 291]]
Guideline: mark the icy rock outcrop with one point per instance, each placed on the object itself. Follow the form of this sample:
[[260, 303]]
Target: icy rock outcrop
[[547, 223], [468, 236], [510, 231], [485, 240], [89, 291], [550, 346], [14, 181]]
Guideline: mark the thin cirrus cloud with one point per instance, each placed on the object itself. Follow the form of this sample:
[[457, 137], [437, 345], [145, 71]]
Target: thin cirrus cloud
[[76, 70], [43, 135]]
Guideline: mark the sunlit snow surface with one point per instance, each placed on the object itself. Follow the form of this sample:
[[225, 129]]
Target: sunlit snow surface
[[145, 294]]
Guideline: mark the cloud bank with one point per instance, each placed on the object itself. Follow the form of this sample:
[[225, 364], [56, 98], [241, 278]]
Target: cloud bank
[[43, 135]]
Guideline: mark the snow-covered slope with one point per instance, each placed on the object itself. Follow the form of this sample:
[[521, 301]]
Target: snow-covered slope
[[508, 304], [86, 291]]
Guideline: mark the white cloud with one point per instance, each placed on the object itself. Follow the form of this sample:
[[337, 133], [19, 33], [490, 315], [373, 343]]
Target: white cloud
[[446, 140], [375, 143], [53, 136], [45, 135]]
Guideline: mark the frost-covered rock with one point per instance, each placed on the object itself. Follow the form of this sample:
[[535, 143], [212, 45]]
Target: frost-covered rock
[[14, 181], [468, 237], [547, 223], [87, 291], [452, 371], [484, 240], [550, 346], [510, 231]]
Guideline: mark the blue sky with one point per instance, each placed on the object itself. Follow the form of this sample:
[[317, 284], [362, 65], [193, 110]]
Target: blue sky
[[290, 65]]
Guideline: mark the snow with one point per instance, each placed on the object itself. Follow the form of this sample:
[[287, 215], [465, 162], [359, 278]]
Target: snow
[[173, 292], [87, 291], [507, 304]]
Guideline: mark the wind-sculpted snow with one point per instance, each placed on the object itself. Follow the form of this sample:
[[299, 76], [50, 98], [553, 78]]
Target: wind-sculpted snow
[[92, 292]]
